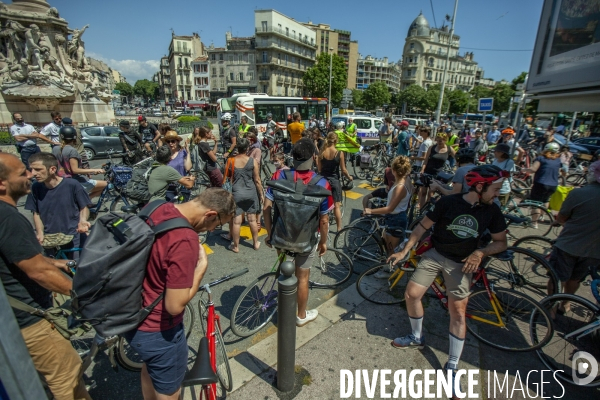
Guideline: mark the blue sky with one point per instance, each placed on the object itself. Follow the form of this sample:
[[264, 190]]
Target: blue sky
[[132, 35]]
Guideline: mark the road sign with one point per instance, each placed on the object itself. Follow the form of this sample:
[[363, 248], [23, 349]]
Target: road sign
[[520, 86], [335, 111], [486, 104], [343, 104], [347, 91], [116, 91]]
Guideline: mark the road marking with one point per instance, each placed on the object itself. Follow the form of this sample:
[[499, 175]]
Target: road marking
[[366, 186], [353, 195], [207, 249], [245, 232]]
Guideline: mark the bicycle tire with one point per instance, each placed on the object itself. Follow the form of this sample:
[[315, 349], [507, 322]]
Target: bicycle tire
[[539, 244], [525, 210], [263, 289], [358, 171], [521, 184], [332, 269], [128, 358], [222, 361], [527, 272], [379, 291], [576, 180], [521, 340], [557, 354], [363, 247]]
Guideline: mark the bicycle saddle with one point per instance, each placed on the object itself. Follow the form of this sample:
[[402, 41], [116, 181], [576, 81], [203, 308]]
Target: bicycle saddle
[[513, 219], [201, 372]]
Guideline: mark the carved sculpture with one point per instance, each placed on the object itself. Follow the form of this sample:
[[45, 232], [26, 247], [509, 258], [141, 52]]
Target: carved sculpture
[[76, 48]]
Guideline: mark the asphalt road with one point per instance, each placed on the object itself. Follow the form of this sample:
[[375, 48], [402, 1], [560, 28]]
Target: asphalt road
[[108, 384]]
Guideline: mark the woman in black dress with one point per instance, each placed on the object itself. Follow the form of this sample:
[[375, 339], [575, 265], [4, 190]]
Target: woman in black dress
[[434, 162]]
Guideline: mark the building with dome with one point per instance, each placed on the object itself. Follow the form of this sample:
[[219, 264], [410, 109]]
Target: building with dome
[[424, 57]]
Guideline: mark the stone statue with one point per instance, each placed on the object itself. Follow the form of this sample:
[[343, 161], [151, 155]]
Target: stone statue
[[32, 37], [13, 37], [76, 48]]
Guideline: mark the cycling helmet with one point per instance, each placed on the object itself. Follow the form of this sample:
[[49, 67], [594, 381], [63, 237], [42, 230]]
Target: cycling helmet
[[226, 117], [340, 125], [347, 184], [67, 133], [552, 147], [508, 131], [141, 118], [465, 155], [448, 130], [485, 174]]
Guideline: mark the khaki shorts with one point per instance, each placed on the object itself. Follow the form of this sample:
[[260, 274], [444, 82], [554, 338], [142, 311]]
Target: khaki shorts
[[457, 282]]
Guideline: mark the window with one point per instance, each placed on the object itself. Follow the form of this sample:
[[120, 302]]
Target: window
[[264, 26], [261, 111], [221, 57], [213, 57], [293, 33], [265, 87], [214, 72], [230, 58], [179, 61], [93, 131], [429, 75], [111, 131], [251, 58], [287, 31], [231, 78], [363, 123], [250, 75], [264, 57], [241, 76], [221, 71], [412, 46]]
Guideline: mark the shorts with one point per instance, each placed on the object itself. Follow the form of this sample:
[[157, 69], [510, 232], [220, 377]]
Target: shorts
[[541, 193], [396, 224], [165, 355], [380, 193], [305, 260], [569, 267], [89, 185], [336, 188], [432, 263]]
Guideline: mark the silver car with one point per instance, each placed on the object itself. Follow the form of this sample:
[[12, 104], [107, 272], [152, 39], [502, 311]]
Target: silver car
[[98, 139]]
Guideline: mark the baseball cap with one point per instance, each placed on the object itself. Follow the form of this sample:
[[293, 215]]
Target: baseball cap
[[303, 150], [404, 123], [141, 118]]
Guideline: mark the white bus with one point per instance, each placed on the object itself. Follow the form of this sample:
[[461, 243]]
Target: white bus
[[256, 106]]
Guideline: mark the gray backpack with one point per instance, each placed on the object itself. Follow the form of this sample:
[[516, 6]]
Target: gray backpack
[[137, 186], [107, 287]]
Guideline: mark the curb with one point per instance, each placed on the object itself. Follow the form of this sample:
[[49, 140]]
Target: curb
[[263, 355]]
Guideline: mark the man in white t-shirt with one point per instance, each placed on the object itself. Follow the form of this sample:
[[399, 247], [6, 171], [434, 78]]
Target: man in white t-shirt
[[425, 133], [26, 137], [51, 130]]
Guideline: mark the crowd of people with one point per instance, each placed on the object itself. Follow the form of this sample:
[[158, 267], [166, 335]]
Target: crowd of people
[[61, 195]]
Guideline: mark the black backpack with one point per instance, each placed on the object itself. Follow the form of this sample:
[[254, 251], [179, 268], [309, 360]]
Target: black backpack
[[137, 186], [107, 288], [297, 211]]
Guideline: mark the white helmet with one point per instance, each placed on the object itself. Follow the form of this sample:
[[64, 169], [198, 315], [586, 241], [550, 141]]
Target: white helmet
[[340, 124], [552, 147], [226, 117]]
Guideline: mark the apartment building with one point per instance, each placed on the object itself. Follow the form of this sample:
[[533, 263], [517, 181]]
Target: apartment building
[[424, 58], [163, 78], [370, 70], [342, 45], [201, 76], [182, 51], [285, 50]]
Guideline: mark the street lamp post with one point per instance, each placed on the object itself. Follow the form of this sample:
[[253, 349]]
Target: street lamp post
[[329, 98], [438, 110]]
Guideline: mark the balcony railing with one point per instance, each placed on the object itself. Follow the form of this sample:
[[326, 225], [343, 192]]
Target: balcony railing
[[288, 79], [182, 51], [271, 29], [280, 79]]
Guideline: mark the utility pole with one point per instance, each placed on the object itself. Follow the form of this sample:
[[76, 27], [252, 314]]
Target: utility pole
[[438, 110], [330, 69]]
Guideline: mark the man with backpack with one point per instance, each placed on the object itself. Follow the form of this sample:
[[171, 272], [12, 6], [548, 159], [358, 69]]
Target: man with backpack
[[229, 135], [132, 143], [300, 225], [175, 268], [30, 278]]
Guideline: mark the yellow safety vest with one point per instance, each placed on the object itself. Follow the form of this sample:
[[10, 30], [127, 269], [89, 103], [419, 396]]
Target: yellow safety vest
[[346, 143], [244, 130], [351, 129]]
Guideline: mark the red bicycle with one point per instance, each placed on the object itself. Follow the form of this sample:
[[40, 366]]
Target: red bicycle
[[211, 369]]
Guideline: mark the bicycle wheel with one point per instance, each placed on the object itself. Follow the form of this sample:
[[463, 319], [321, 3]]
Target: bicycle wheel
[[377, 178], [256, 306], [117, 203], [343, 203], [127, 357], [576, 180], [538, 244], [222, 361], [558, 354], [358, 171], [363, 248], [528, 210], [330, 270], [188, 319], [526, 272], [516, 311], [384, 290], [524, 188]]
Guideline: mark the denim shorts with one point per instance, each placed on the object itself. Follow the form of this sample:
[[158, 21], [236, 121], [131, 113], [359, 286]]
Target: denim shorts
[[89, 185], [396, 224], [165, 355]]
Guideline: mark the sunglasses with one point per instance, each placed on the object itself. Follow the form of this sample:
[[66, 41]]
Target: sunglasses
[[172, 141]]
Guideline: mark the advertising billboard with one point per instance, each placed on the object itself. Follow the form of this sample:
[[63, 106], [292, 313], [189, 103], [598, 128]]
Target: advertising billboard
[[567, 48]]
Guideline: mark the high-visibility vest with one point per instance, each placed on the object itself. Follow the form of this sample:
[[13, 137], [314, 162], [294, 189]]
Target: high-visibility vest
[[346, 143], [351, 129]]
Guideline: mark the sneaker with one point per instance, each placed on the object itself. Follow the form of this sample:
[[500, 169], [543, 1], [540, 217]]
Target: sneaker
[[533, 225], [382, 274], [455, 385], [409, 341], [311, 315]]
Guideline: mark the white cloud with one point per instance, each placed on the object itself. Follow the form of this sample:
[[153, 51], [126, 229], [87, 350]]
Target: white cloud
[[133, 70]]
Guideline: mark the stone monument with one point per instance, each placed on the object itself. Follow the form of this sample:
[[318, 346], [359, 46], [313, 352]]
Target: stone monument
[[42, 69]]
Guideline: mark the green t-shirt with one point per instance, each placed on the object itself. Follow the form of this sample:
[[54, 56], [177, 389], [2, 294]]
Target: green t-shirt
[[159, 180]]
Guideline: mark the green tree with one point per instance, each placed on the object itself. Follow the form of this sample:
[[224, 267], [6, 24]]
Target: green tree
[[125, 88], [502, 94], [376, 95], [481, 91], [432, 96], [357, 98], [458, 101], [517, 80], [146, 89], [316, 78], [413, 96]]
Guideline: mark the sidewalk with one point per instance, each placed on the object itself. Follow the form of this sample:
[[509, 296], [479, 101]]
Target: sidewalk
[[354, 334]]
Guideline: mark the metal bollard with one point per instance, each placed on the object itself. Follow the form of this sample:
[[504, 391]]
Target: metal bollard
[[287, 303]]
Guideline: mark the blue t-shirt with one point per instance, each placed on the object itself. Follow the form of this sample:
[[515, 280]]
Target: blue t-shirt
[[493, 136], [547, 173], [401, 150], [306, 176], [58, 207]]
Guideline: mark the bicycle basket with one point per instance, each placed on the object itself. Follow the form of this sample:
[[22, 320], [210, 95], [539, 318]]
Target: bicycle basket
[[365, 161], [121, 175]]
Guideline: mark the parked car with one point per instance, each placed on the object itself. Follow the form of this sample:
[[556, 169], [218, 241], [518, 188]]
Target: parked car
[[573, 147], [98, 139], [590, 143], [413, 123], [121, 112], [157, 114], [191, 113], [367, 128]]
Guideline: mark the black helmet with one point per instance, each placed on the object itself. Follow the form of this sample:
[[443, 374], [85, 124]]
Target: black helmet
[[465, 155], [67, 133], [347, 184]]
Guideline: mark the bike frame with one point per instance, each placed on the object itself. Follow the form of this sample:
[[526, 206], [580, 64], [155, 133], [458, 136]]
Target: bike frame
[[210, 391]]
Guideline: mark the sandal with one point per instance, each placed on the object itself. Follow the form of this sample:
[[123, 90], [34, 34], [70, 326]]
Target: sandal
[[225, 236]]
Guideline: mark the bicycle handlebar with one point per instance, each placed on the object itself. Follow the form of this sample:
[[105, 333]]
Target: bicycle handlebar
[[206, 287]]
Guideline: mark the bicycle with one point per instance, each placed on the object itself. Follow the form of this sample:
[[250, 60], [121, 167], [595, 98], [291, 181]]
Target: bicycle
[[577, 329], [498, 317], [257, 304], [525, 210], [210, 323]]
